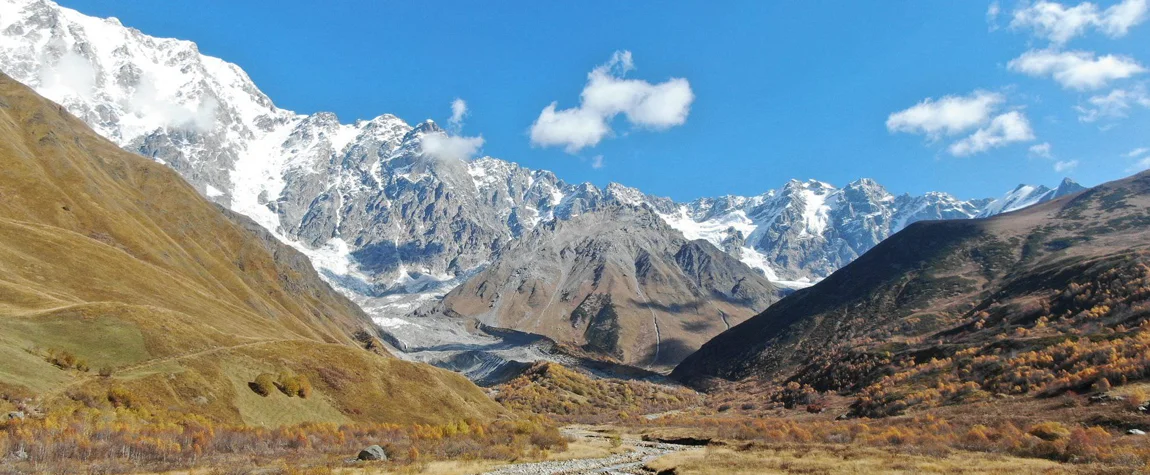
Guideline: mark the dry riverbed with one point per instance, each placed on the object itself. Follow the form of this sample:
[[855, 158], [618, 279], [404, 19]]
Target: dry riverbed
[[601, 450], [620, 454]]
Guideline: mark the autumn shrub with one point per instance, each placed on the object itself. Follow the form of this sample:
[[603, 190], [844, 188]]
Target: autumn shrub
[[567, 395], [1092, 335], [66, 360], [154, 440], [930, 434], [264, 384], [1136, 398], [294, 385], [122, 398], [304, 387]]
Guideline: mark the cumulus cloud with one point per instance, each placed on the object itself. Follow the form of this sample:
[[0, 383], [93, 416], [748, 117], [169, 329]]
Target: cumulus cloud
[[1114, 105], [597, 162], [1065, 166], [1118, 19], [1060, 23], [1041, 150], [1004, 129], [1079, 70], [448, 147], [949, 115], [954, 115], [572, 128], [458, 112], [607, 95]]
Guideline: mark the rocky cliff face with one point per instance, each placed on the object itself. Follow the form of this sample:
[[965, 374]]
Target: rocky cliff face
[[617, 282], [376, 213]]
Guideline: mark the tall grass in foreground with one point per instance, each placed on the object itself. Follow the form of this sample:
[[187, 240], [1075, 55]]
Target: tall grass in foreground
[[126, 440]]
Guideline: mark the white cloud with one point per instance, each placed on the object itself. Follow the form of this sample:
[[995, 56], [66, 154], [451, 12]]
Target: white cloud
[[1143, 164], [949, 115], [156, 108], [992, 13], [607, 95], [69, 74], [1076, 69], [597, 162], [1114, 105], [447, 147], [1118, 19], [1060, 23], [573, 128], [1004, 129], [1064, 166], [458, 112], [1041, 150]]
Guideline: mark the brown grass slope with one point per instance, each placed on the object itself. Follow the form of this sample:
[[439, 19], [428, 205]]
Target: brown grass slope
[[1049, 298], [113, 259], [568, 395]]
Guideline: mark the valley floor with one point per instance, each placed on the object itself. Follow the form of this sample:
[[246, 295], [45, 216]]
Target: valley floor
[[614, 450]]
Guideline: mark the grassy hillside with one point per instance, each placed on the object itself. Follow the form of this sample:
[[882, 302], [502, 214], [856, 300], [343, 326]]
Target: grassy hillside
[[1049, 299], [570, 396], [117, 279]]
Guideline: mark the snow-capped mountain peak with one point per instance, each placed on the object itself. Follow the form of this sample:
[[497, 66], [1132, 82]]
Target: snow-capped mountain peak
[[1028, 195]]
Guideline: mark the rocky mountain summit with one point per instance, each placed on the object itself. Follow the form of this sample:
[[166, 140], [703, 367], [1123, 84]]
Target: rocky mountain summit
[[619, 283]]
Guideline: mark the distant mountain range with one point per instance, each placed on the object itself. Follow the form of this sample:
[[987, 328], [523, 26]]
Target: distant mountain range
[[1043, 300], [395, 227]]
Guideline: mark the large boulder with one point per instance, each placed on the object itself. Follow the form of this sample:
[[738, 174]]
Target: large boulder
[[374, 452]]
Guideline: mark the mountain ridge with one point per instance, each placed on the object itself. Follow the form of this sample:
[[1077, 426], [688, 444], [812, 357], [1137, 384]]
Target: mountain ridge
[[113, 262], [1010, 291]]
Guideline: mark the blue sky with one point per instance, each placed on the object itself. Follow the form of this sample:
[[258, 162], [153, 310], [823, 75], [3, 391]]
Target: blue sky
[[778, 90]]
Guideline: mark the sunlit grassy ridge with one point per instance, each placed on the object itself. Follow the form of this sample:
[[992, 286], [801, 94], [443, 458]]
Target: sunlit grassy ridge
[[118, 281]]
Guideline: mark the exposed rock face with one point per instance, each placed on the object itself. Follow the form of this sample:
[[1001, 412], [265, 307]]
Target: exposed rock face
[[376, 214], [619, 283]]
